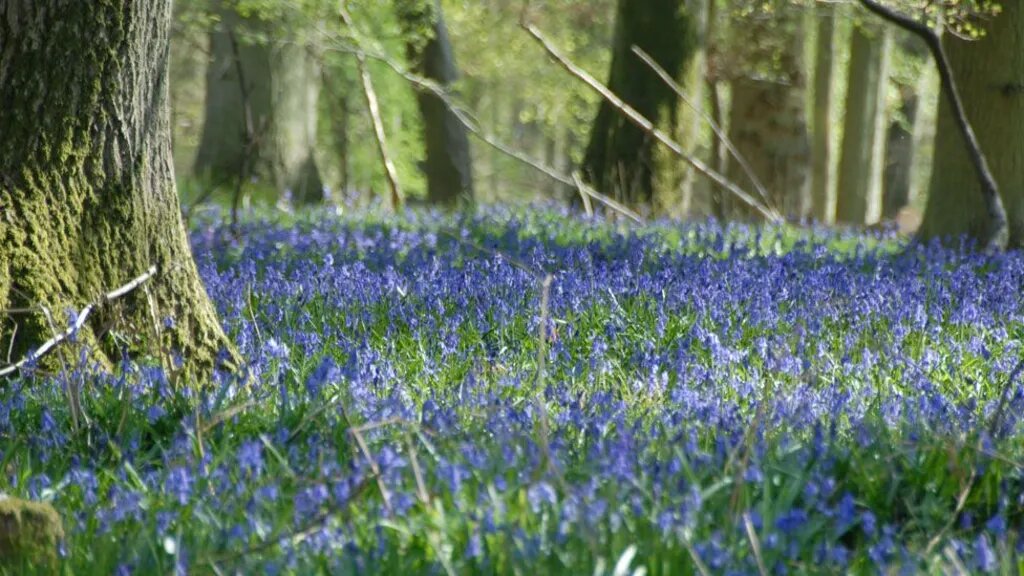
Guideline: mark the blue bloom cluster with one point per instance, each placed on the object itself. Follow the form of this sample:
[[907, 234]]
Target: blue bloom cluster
[[679, 398]]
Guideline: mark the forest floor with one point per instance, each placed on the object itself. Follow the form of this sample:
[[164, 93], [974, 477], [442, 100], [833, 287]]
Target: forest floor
[[539, 394]]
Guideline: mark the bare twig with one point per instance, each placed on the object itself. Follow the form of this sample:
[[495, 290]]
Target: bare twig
[[998, 232], [79, 322], [755, 544], [584, 195], [715, 128], [961, 501], [374, 108], [1004, 397], [361, 442], [646, 125]]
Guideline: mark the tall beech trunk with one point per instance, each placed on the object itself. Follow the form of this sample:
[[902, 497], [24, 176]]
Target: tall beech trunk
[[619, 159], [990, 75], [822, 145], [449, 166], [86, 182], [768, 117], [260, 117], [860, 162]]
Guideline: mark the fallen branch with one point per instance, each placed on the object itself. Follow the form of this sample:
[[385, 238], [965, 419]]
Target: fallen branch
[[998, 234], [646, 125], [79, 322], [374, 108]]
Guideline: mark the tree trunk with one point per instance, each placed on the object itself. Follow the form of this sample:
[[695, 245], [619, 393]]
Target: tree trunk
[[768, 117], [990, 75], [260, 117], [822, 147], [899, 155], [448, 166], [87, 190], [860, 162], [619, 158]]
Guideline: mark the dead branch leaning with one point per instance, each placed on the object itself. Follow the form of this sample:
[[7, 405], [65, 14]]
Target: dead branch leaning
[[715, 128], [646, 125], [374, 108]]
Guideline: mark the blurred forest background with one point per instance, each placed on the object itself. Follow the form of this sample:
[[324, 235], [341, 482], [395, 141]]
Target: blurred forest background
[[834, 112]]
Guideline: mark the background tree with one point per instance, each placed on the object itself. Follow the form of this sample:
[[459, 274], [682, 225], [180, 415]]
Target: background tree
[[261, 104], [448, 164], [990, 74], [859, 178], [768, 113], [821, 157], [619, 159], [87, 188]]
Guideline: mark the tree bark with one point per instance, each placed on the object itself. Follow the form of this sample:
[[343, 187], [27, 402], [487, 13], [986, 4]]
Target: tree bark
[[822, 146], [619, 158], [859, 162], [899, 155], [990, 75], [768, 116], [87, 193], [448, 166], [261, 103]]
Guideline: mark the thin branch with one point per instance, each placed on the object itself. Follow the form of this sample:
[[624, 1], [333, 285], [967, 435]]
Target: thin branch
[[998, 232], [374, 108], [755, 544], [469, 123], [715, 128], [646, 125], [1004, 395], [79, 322]]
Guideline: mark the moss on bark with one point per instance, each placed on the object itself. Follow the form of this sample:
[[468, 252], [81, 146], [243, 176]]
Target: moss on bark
[[87, 191], [30, 533]]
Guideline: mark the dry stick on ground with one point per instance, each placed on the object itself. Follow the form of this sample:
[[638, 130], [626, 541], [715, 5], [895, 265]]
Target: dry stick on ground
[[79, 322], [647, 126], [374, 108], [715, 127], [998, 234]]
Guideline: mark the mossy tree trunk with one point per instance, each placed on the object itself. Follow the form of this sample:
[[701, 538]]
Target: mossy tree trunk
[[619, 159], [768, 115], [859, 177], [448, 166], [87, 193], [260, 112], [990, 75]]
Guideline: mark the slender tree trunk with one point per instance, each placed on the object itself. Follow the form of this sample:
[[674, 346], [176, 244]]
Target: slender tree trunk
[[260, 116], [449, 166], [619, 158], [990, 75], [822, 147], [860, 162], [899, 155], [86, 187], [768, 117]]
